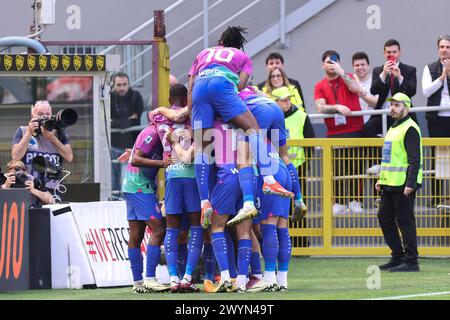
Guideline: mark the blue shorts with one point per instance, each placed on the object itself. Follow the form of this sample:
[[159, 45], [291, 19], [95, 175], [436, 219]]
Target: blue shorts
[[226, 197], [142, 206], [257, 220], [272, 205], [214, 97], [181, 196]]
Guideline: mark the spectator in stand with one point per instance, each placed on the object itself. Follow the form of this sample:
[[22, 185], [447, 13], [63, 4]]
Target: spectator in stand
[[126, 109], [277, 78], [337, 94], [435, 87], [387, 80], [361, 67], [276, 60]]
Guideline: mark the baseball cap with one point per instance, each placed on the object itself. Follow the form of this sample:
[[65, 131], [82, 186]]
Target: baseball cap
[[401, 97], [281, 93]]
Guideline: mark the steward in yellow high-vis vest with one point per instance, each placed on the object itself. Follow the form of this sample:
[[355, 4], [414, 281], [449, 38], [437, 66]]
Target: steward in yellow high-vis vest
[[295, 123], [394, 165], [400, 177]]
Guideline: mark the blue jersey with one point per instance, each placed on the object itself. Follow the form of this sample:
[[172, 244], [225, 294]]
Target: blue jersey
[[269, 117]]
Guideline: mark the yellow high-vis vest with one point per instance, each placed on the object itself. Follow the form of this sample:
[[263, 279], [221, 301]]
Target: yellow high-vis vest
[[394, 165], [296, 100], [294, 125]]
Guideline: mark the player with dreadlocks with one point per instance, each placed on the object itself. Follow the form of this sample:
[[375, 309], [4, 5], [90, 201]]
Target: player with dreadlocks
[[216, 76]]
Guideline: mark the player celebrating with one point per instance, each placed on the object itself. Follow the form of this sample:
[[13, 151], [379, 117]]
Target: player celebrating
[[143, 210], [215, 78], [274, 210], [181, 196]]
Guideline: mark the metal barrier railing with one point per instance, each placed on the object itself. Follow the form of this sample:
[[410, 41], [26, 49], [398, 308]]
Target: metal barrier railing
[[383, 112]]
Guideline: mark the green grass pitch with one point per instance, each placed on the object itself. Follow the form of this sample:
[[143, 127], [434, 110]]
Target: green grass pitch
[[309, 278]]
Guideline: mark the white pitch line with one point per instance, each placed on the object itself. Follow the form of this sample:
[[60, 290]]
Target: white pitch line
[[429, 294]]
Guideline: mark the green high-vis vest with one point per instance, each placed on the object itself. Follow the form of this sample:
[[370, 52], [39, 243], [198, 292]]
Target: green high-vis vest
[[394, 165], [294, 125]]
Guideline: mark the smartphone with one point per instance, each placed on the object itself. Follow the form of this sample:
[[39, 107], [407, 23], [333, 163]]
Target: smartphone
[[334, 57]]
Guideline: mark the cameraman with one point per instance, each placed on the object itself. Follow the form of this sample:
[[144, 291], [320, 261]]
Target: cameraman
[[17, 177], [34, 140]]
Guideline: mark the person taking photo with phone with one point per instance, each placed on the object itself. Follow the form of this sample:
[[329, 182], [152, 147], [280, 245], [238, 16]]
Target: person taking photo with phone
[[392, 77], [337, 94]]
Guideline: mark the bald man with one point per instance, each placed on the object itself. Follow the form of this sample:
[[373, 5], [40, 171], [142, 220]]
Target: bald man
[[34, 140]]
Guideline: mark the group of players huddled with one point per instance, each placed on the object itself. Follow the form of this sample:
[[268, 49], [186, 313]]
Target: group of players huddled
[[229, 181]]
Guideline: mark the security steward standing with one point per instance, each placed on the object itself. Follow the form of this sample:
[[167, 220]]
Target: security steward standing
[[400, 178]]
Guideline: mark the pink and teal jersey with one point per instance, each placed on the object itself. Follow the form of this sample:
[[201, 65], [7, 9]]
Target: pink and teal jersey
[[247, 92], [225, 143], [221, 62], [252, 98], [143, 179], [225, 149], [177, 169]]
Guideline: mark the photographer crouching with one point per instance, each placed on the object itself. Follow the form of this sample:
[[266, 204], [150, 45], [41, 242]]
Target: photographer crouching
[[17, 177], [44, 136]]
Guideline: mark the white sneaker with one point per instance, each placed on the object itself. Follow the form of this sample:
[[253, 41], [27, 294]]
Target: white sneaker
[[152, 285], [242, 215], [225, 286], [241, 289], [271, 287], [339, 209], [282, 288], [300, 211], [258, 286], [355, 207], [138, 287], [375, 169]]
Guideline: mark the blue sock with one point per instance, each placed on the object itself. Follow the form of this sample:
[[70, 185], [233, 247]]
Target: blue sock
[[171, 249], [255, 263], [295, 182], [182, 258], [231, 255], [209, 261], [136, 263], [247, 183], [259, 151], [284, 254], [201, 168], [270, 246], [194, 248], [153, 255], [244, 254], [219, 245]]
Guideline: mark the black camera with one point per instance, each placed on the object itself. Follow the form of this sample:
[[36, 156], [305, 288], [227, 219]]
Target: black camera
[[21, 178], [63, 119], [42, 165]]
